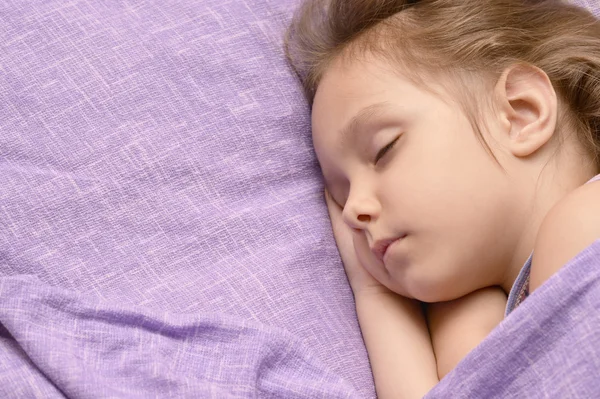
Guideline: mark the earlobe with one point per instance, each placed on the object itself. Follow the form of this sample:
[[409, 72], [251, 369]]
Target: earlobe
[[528, 106]]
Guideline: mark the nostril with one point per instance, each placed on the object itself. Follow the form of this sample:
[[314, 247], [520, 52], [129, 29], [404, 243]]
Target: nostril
[[364, 218]]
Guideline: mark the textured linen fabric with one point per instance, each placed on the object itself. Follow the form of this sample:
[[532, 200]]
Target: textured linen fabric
[[156, 161], [162, 226], [88, 348]]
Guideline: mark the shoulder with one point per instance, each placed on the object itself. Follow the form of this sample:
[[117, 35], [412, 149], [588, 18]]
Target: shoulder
[[570, 227]]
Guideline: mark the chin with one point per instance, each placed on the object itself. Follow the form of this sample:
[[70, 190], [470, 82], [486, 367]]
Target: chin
[[432, 297], [431, 291]]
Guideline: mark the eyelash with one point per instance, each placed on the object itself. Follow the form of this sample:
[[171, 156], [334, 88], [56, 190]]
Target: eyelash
[[385, 150]]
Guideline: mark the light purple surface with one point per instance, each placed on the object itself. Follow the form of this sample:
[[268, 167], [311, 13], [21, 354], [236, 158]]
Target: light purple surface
[[162, 227], [73, 345], [81, 347], [156, 155]]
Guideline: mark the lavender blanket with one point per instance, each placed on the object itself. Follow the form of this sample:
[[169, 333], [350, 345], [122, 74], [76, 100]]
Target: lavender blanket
[[56, 344], [162, 225], [60, 344]]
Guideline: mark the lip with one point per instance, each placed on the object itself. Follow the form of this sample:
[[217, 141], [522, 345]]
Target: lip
[[380, 247]]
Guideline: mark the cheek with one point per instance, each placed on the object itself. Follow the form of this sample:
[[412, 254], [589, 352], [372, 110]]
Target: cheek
[[456, 205], [460, 241], [443, 174], [449, 192]]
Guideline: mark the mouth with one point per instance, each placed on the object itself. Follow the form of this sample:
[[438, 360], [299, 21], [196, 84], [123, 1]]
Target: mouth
[[380, 247]]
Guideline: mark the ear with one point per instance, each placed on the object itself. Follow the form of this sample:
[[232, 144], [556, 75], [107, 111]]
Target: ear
[[528, 108]]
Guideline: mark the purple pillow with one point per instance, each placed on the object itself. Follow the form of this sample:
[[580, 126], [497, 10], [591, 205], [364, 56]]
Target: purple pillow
[[157, 154]]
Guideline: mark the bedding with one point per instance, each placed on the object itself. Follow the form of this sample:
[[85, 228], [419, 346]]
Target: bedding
[[162, 226], [156, 157]]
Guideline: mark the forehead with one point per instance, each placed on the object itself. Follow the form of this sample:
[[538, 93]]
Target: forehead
[[347, 86], [351, 85], [352, 93]]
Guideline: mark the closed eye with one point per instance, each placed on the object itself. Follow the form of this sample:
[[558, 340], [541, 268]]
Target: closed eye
[[385, 149]]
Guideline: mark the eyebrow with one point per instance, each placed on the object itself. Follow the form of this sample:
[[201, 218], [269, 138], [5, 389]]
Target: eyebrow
[[363, 117]]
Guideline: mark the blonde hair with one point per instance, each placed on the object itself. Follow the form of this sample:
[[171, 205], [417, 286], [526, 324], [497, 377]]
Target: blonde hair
[[483, 36]]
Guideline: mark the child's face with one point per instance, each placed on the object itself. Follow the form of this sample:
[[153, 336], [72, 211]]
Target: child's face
[[436, 187]]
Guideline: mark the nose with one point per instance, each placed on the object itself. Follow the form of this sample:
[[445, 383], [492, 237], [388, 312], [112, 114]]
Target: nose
[[361, 209]]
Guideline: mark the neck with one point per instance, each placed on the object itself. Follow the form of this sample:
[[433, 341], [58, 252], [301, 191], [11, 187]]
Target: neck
[[543, 194]]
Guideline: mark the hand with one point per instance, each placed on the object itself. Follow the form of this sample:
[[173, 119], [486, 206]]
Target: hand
[[359, 278]]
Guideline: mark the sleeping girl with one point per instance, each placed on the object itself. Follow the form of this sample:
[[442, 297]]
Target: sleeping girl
[[459, 141]]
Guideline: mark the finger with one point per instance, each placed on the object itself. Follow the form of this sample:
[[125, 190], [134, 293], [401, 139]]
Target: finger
[[329, 198], [334, 209]]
